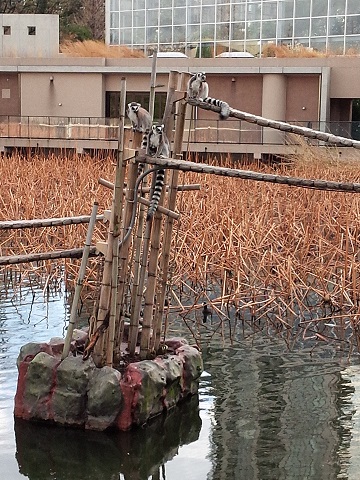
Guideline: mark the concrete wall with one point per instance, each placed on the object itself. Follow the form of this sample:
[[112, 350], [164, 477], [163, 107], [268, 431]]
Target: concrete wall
[[80, 83], [16, 40], [62, 94], [135, 82]]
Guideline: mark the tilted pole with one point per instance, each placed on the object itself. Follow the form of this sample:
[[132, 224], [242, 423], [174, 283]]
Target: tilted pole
[[79, 282]]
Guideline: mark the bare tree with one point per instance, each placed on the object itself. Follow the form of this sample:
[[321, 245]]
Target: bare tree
[[93, 16], [78, 18]]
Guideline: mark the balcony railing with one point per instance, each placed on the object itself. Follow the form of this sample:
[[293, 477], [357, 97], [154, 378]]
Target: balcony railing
[[210, 131]]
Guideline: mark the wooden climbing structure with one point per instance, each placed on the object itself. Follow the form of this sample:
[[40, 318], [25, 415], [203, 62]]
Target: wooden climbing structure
[[129, 316]]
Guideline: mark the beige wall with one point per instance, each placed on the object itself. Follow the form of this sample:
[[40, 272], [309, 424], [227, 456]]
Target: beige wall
[[9, 94], [67, 95], [242, 92], [135, 82]]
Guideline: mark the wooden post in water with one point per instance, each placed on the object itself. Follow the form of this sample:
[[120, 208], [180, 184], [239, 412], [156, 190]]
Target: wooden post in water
[[141, 240], [79, 282], [155, 223], [106, 315], [168, 228]]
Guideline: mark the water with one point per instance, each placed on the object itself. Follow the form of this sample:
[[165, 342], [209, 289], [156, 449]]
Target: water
[[263, 413]]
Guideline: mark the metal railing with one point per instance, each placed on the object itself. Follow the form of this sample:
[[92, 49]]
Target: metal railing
[[209, 130]]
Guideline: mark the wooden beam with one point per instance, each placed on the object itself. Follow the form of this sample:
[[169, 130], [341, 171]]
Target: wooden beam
[[47, 222]]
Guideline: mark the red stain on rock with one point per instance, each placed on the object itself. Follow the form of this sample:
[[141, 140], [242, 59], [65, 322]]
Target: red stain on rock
[[130, 385], [19, 410]]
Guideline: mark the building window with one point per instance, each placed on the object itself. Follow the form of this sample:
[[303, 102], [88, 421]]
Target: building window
[[7, 30], [112, 102], [31, 30]]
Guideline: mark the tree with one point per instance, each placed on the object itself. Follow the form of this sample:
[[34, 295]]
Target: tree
[[78, 19]]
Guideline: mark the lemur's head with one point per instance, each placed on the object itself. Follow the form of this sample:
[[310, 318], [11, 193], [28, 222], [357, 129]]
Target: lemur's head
[[158, 129], [134, 106], [201, 76]]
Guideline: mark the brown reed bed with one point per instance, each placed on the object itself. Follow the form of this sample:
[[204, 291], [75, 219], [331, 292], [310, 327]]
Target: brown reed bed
[[265, 258], [50, 187], [97, 48]]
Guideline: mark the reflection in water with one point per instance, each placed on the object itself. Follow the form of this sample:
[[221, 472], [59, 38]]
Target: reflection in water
[[262, 414], [283, 416], [43, 451]]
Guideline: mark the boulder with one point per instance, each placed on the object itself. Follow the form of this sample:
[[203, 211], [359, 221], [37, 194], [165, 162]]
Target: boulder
[[74, 392]]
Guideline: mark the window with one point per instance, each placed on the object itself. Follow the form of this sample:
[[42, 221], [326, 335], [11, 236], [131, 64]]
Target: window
[[31, 30], [7, 30], [112, 102]]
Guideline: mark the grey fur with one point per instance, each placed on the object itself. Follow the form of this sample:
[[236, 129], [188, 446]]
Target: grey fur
[[198, 89], [139, 116], [156, 143]]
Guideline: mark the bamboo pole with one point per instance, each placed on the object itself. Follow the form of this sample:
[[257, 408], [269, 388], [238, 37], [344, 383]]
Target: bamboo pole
[[142, 236], [47, 222], [104, 301], [125, 247], [153, 84], [182, 188], [283, 126], [36, 257], [79, 282], [173, 188], [185, 166], [117, 211], [148, 324]]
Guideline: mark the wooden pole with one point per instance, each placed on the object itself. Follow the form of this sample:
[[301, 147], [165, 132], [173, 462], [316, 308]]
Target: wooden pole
[[79, 282], [185, 166], [37, 257], [117, 210], [142, 237], [182, 188], [104, 301], [283, 126], [153, 84], [125, 249], [148, 323], [164, 265], [47, 222]]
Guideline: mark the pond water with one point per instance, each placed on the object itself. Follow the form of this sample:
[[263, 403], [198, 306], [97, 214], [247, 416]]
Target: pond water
[[262, 413]]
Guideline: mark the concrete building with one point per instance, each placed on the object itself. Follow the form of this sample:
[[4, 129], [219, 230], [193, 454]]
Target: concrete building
[[72, 102], [29, 35], [208, 27]]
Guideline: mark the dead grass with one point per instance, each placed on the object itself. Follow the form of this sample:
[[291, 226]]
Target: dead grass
[[278, 259], [96, 48], [299, 51]]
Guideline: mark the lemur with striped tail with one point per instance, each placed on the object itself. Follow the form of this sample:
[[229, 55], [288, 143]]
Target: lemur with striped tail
[[156, 143], [198, 89], [139, 116]]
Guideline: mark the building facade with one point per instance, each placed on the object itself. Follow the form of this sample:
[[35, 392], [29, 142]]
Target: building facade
[[206, 28], [29, 35]]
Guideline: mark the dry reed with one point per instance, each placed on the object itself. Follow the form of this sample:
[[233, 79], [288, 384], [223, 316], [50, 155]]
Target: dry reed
[[96, 48], [300, 51], [265, 257]]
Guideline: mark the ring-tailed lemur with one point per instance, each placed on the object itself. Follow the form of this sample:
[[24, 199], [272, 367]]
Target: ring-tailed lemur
[[140, 118], [156, 143], [198, 88]]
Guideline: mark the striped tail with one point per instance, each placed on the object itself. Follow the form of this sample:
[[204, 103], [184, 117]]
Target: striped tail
[[225, 109], [159, 183]]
